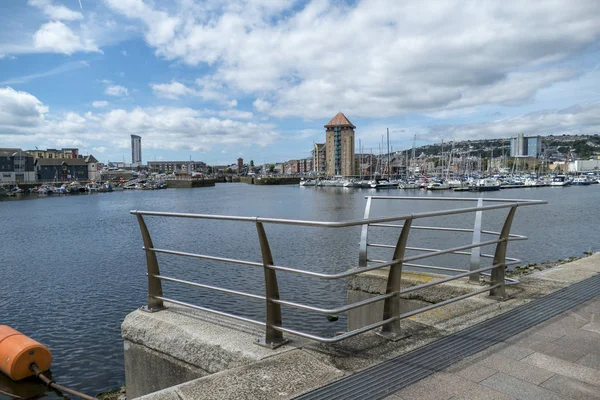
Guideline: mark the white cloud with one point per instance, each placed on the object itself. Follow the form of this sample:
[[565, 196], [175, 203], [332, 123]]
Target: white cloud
[[20, 111], [24, 119], [576, 119], [56, 37], [236, 114], [398, 57], [56, 12], [116, 90], [173, 90], [207, 88], [261, 105], [100, 104]]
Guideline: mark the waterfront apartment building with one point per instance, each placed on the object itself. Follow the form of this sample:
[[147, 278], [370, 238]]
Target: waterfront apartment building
[[176, 166], [67, 169], [68, 152], [319, 158], [526, 146], [136, 150], [16, 166], [339, 146]]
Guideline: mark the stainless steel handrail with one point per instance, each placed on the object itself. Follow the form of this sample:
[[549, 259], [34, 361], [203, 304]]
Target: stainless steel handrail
[[390, 323]]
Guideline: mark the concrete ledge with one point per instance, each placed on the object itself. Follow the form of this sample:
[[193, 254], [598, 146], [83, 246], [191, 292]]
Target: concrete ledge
[[282, 376], [147, 370], [179, 340]]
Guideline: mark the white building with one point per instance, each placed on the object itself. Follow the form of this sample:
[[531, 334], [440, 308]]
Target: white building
[[584, 165], [136, 149]]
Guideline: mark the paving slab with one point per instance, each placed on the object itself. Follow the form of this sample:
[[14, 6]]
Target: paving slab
[[519, 389], [515, 352], [565, 368], [590, 360], [516, 369], [476, 372], [574, 389], [592, 327], [445, 386]]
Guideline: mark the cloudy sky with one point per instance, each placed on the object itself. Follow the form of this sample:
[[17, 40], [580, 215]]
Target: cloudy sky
[[215, 80]]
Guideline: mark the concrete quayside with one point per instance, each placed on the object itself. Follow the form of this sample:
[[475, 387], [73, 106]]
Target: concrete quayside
[[175, 349], [180, 353]]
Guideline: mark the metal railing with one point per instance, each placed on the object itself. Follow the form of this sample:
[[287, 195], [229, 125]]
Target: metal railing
[[390, 323]]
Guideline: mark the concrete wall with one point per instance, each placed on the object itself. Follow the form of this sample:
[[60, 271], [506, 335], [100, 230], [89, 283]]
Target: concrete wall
[[190, 183]]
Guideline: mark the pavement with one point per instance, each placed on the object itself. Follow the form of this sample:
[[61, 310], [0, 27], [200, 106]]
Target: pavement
[[558, 359]]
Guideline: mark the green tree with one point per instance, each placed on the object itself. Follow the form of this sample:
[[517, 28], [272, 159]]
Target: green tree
[[271, 167], [252, 163]]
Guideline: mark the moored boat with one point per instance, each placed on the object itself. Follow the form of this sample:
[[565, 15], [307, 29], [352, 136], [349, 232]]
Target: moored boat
[[485, 185]]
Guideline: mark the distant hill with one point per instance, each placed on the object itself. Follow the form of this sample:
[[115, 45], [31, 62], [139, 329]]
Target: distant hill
[[582, 145]]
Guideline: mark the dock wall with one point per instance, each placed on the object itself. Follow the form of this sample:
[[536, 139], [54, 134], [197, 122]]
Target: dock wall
[[190, 183], [183, 354]]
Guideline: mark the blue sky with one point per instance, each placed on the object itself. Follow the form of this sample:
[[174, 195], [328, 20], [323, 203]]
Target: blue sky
[[213, 81]]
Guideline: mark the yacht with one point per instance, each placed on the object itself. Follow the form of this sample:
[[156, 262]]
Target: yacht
[[581, 181], [485, 185], [308, 182], [560, 180], [438, 186], [92, 187], [383, 184], [409, 185]]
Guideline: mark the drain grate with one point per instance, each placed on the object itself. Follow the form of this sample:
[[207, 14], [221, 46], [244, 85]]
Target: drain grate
[[390, 376]]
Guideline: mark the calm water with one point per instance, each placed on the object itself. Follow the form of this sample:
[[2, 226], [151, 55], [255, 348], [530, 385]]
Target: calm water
[[72, 267]]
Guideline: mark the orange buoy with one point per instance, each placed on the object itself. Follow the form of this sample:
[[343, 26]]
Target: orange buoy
[[18, 352]]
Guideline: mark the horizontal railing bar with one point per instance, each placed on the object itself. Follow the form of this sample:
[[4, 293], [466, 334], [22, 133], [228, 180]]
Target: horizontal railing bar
[[448, 279], [466, 253], [513, 236], [431, 228], [224, 314], [452, 250], [345, 274], [338, 310], [206, 257], [383, 246], [360, 270], [316, 274], [508, 281], [452, 300], [433, 267], [218, 289], [338, 338], [343, 224], [380, 323], [455, 199]]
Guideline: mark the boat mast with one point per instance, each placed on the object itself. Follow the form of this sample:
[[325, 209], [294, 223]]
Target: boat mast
[[388, 153]]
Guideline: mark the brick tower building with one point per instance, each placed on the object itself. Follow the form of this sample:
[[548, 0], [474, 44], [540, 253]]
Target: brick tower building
[[340, 146]]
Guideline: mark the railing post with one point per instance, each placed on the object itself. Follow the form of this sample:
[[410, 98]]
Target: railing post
[[364, 233], [476, 251], [273, 338], [500, 258], [391, 306], [154, 284]]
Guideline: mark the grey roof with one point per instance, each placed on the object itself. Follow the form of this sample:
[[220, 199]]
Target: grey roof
[[9, 151], [60, 161]]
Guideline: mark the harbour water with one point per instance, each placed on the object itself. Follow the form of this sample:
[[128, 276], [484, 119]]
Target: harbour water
[[72, 267]]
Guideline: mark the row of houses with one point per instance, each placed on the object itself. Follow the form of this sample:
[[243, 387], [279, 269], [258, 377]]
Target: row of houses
[[18, 166]]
